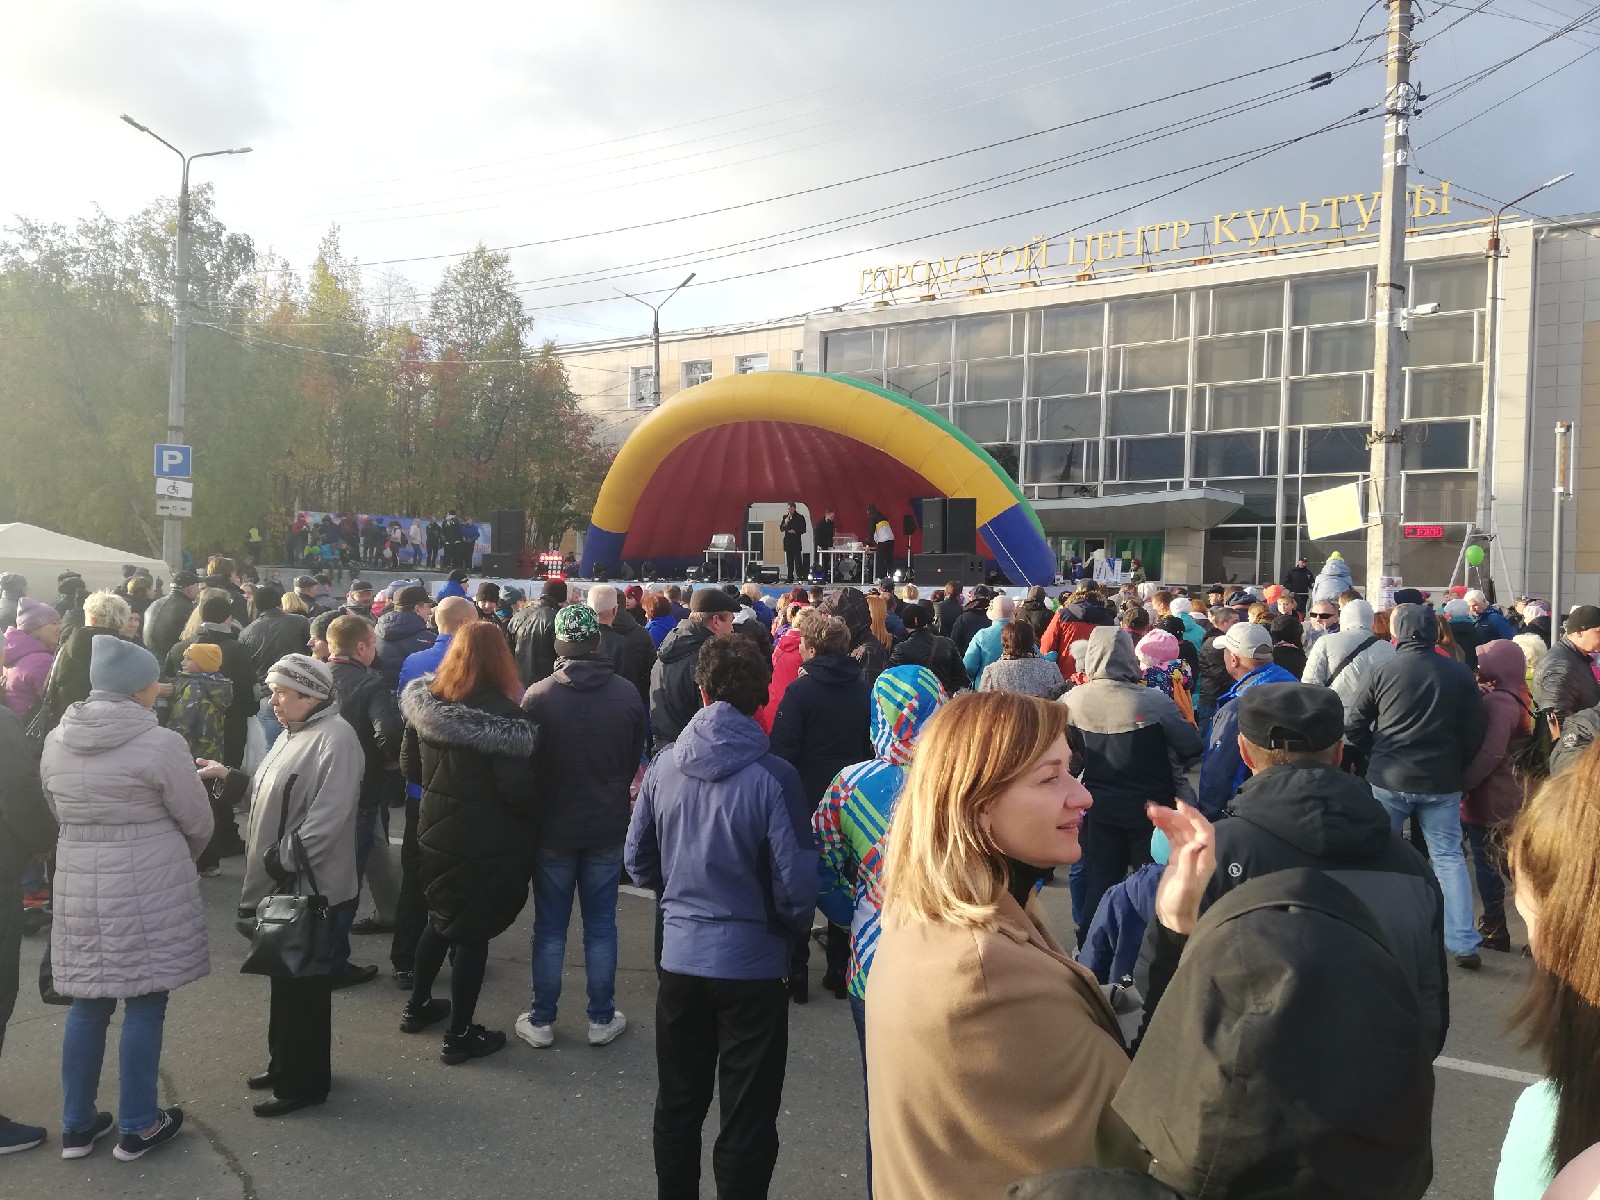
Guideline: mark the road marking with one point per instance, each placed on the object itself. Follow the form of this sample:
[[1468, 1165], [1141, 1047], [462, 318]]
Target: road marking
[[1473, 1068]]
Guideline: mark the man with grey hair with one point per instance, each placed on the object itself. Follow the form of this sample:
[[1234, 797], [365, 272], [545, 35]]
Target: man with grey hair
[[1345, 659], [623, 640], [1488, 620]]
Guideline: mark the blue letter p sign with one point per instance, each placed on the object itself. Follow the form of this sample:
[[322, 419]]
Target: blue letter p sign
[[173, 462]]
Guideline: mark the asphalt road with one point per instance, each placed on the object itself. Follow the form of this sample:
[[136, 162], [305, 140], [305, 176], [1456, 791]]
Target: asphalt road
[[571, 1120]]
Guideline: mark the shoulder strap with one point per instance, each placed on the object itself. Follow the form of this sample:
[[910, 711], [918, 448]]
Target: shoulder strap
[[1352, 656]]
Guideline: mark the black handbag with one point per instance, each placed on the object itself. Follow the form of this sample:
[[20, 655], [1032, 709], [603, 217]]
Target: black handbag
[[42, 720], [293, 937], [47, 981]]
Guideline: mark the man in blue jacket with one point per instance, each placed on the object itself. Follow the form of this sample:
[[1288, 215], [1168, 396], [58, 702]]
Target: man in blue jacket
[[721, 832], [1488, 621], [1247, 657]]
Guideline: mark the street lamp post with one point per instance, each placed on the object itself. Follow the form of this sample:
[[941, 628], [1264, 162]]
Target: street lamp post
[[172, 527], [655, 332]]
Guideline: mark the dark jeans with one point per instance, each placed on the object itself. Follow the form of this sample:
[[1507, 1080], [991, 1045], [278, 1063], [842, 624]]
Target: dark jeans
[[858, 1014], [466, 974], [410, 909], [300, 1036], [731, 1035], [1489, 865], [372, 822], [1109, 853]]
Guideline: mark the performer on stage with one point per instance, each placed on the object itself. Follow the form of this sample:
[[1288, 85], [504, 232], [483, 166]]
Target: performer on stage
[[793, 528], [822, 539], [882, 541]]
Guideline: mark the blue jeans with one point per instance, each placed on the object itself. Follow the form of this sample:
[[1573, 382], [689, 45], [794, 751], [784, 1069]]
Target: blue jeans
[[269, 721], [83, 1050], [1440, 817], [1204, 713], [370, 819], [858, 1014], [1488, 861], [594, 875]]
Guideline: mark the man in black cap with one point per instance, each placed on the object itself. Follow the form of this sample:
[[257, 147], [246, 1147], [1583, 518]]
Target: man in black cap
[[1565, 679], [1297, 581], [1298, 809], [358, 601], [306, 588], [165, 618], [674, 695]]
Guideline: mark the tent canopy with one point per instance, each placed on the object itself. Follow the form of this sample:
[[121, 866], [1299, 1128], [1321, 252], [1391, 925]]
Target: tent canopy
[[39, 555]]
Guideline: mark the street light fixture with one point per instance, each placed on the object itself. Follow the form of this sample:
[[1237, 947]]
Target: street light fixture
[[172, 527], [655, 331]]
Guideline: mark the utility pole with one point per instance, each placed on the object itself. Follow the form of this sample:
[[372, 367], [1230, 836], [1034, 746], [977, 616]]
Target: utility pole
[[1389, 349], [655, 333], [172, 527], [1558, 529]]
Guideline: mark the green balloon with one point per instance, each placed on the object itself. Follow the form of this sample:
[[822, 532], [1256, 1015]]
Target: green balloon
[[1475, 555]]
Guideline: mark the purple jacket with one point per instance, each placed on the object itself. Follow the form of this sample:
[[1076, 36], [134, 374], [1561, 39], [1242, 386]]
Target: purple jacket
[[27, 663]]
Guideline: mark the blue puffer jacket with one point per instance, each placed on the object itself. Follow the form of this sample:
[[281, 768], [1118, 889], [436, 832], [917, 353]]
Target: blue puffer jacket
[[400, 634], [1223, 772], [722, 833]]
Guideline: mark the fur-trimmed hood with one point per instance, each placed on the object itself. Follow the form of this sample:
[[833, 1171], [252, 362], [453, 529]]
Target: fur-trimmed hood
[[465, 725]]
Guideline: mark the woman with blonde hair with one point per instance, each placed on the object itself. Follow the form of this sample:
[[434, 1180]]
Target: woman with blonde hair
[[964, 963], [293, 603], [878, 606], [1554, 856]]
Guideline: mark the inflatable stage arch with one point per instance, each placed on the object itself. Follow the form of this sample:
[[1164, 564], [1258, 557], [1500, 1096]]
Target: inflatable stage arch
[[692, 467]]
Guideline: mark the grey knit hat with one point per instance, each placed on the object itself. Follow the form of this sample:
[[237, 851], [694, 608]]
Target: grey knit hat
[[121, 667], [304, 674]]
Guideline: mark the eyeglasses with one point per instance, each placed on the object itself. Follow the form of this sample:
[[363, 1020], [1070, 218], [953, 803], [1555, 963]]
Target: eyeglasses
[[1322, 616]]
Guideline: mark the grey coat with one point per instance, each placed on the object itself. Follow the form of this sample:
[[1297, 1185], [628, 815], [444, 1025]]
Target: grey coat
[[1331, 649], [324, 757], [134, 816], [1030, 676]]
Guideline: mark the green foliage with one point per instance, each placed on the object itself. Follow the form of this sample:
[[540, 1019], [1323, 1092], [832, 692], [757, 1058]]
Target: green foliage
[[335, 393]]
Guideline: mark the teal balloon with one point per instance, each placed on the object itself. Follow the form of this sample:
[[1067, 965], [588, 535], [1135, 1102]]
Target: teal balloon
[[1475, 555]]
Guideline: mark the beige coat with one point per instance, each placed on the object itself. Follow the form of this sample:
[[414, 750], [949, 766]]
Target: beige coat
[[991, 1056]]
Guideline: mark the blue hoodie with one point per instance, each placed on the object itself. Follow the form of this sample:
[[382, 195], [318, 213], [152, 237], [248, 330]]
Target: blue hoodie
[[1223, 772], [720, 832]]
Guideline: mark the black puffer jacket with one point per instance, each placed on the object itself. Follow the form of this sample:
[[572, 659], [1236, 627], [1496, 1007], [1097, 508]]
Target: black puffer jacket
[[974, 619], [273, 635], [474, 763], [400, 634], [533, 640], [1418, 718], [591, 726], [1036, 614], [924, 648], [164, 621], [70, 681], [1565, 680], [631, 650], [370, 705], [674, 695], [945, 612], [850, 606], [824, 722]]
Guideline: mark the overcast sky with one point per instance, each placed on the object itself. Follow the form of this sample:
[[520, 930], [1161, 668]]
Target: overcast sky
[[422, 129]]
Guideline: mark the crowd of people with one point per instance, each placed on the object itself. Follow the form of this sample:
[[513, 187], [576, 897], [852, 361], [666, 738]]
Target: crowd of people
[[345, 540], [1262, 802]]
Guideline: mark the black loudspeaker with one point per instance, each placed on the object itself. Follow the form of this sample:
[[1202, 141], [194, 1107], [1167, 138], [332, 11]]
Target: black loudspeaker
[[508, 530], [935, 570], [933, 525], [504, 566], [961, 525], [908, 524]]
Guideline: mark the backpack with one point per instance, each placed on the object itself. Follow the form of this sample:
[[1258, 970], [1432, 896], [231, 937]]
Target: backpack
[[1533, 760]]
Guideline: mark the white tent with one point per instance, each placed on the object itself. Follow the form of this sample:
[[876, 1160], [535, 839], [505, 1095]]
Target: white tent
[[39, 555]]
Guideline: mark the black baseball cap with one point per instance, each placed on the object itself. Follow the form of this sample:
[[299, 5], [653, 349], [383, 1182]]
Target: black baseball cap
[[1291, 716], [361, 585]]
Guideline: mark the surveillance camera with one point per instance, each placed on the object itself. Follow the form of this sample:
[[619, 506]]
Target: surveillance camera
[[1425, 310]]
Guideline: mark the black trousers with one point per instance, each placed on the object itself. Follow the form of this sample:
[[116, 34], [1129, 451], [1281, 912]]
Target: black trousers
[[410, 908], [468, 964], [796, 567], [300, 1036], [731, 1035], [11, 868], [1109, 853], [836, 950], [884, 563]]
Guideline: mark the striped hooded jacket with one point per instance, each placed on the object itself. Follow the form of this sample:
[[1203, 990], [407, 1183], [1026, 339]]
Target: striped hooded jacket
[[852, 822]]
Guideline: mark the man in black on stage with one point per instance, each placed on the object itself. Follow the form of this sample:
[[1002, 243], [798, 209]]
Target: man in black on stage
[[822, 539], [793, 528]]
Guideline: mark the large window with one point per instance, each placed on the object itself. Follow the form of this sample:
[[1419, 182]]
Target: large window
[[1149, 319], [1068, 374], [1063, 462], [1246, 308], [1078, 328], [1238, 406], [1059, 419], [696, 371], [1437, 446], [1330, 299], [1149, 458], [911, 345], [1227, 454], [1327, 401], [1139, 413], [1455, 392], [983, 337], [994, 379], [1341, 448], [1224, 359], [926, 385], [1165, 364], [986, 422], [852, 352], [641, 387], [749, 364]]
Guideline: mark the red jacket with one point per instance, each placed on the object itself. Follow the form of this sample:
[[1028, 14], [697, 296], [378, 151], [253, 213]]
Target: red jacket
[[785, 667]]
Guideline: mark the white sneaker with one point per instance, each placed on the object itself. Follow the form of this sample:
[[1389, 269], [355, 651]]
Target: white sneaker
[[604, 1035], [537, 1036]]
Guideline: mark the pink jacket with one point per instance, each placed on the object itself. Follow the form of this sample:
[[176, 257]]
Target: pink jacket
[[27, 663], [785, 667]]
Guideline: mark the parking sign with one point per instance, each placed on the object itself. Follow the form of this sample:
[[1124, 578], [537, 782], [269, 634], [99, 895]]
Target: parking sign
[[174, 462]]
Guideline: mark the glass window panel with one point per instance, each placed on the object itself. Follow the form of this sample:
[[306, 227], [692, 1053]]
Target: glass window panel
[[1274, 353], [1441, 498], [1060, 419], [1218, 360], [874, 377], [1333, 298], [1064, 462], [1150, 458], [1006, 456], [1071, 328], [1164, 365], [1059, 374], [910, 345], [1133, 413], [1097, 359], [1327, 401], [1183, 302], [1330, 350], [1260, 500], [1241, 309], [983, 337], [1431, 561], [1342, 448], [1147, 320], [1434, 341], [994, 379], [1437, 445], [1227, 454], [1243, 406], [1291, 455], [1453, 286], [858, 350], [927, 385], [984, 422], [1453, 393], [1354, 550], [1231, 555]]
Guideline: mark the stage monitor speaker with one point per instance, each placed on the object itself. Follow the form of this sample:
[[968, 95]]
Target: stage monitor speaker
[[508, 530], [961, 525], [936, 570], [908, 524], [502, 566], [933, 525]]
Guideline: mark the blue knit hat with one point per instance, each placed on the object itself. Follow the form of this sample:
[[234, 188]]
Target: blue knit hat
[[121, 667]]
